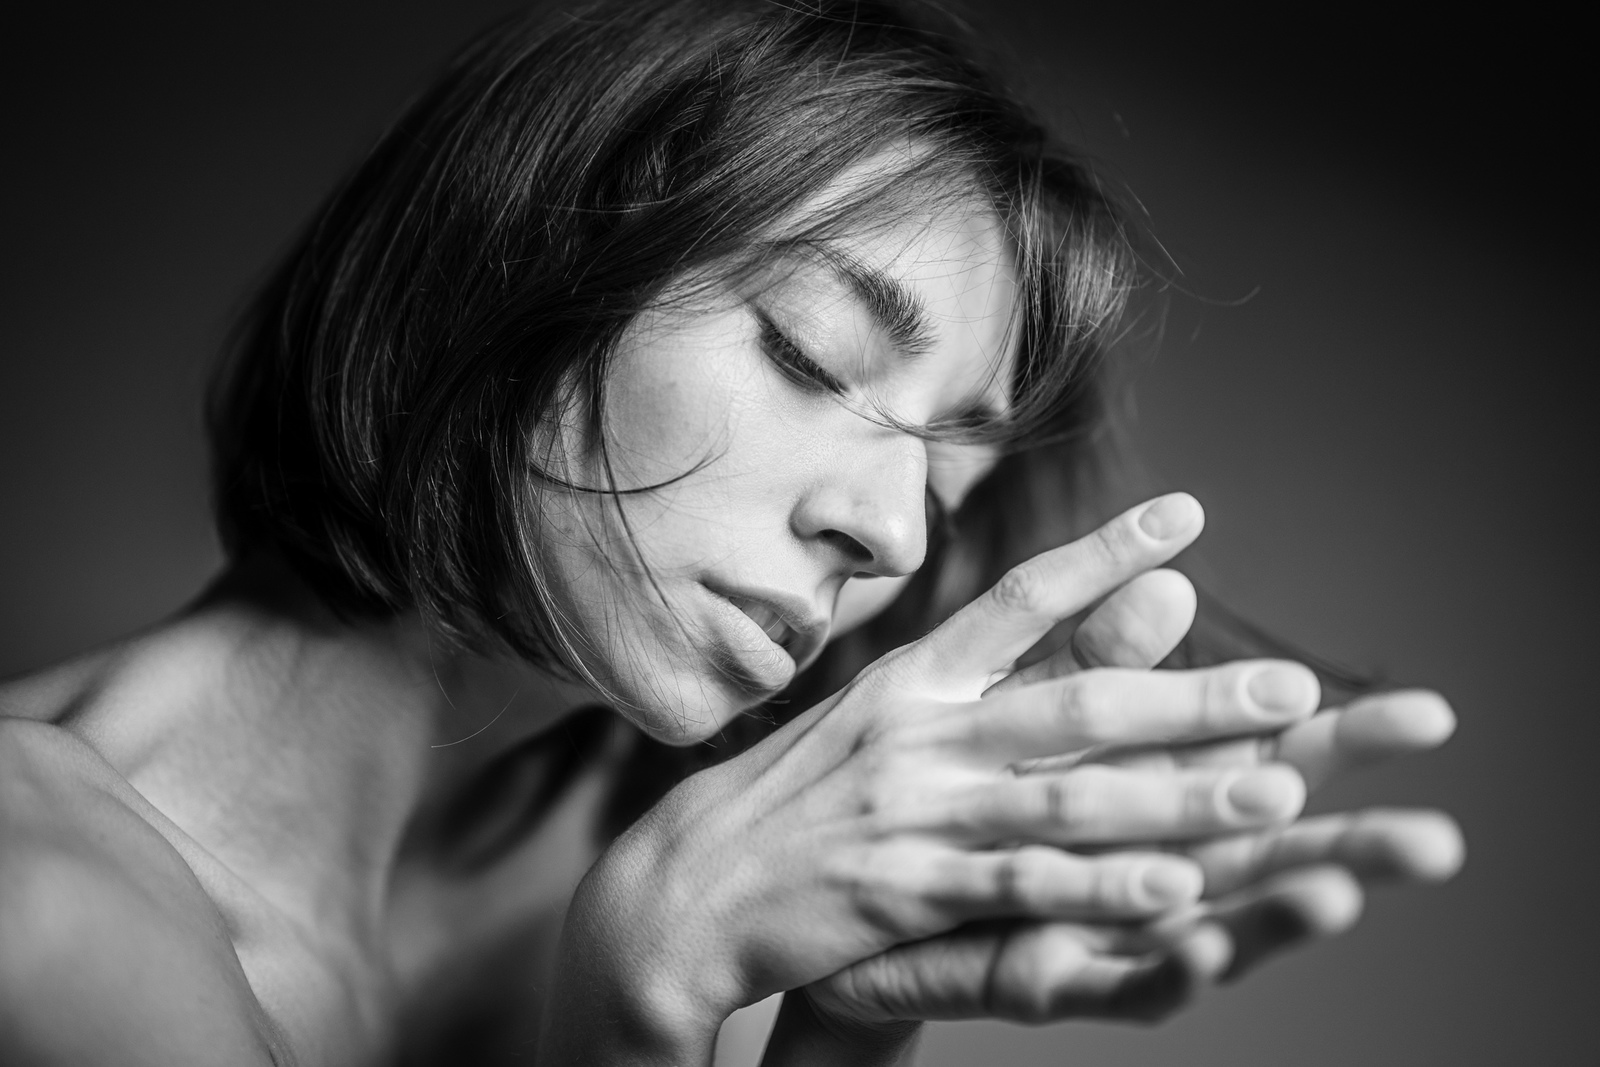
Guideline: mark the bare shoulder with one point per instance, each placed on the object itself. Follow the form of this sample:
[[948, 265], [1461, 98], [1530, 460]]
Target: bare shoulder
[[110, 950]]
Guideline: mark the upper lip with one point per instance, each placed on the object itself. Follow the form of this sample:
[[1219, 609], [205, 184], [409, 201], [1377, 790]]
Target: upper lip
[[810, 629]]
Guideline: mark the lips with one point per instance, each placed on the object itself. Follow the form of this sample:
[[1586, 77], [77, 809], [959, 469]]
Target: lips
[[765, 616], [789, 622]]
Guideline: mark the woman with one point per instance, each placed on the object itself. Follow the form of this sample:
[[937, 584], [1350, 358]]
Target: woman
[[659, 354]]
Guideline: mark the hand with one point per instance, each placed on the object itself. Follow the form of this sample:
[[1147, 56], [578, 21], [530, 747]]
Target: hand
[[885, 815], [1266, 891], [1275, 889]]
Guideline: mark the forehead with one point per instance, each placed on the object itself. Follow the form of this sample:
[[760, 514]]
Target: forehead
[[934, 272]]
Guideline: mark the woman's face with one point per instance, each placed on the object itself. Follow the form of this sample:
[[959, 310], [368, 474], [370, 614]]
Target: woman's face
[[790, 511]]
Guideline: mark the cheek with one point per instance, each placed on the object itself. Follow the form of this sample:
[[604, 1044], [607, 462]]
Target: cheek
[[694, 408], [671, 396], [678, 408]]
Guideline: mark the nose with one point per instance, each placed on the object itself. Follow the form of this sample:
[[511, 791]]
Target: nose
[[870, 506]]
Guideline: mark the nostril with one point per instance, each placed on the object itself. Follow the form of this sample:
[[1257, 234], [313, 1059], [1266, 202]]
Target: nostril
[[848, 546], [870, 520]]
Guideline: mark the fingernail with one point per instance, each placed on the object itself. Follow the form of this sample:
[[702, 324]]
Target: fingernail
[[1284, 690], [1167, 885], [1208, 950], [1170, 516], [1267, 793]]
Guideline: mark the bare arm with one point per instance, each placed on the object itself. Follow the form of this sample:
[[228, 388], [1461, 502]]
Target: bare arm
[[110, 952]]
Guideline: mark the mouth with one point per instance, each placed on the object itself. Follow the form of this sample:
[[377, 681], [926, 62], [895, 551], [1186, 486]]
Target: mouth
[[778, 631], [786, 622]]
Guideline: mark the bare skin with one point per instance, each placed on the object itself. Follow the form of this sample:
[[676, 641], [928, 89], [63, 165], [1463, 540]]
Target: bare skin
[[251, 841], [222, 839], [235, 859]]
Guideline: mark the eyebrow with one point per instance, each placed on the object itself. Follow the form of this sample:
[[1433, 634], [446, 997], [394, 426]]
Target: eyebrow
[[898, 313], [894, 308]]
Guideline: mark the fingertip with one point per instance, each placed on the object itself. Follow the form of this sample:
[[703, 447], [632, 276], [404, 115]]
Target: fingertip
[[1139, 624], [1432, 848], [1207, 952], [1329, 900], [1283, 689], [1172, 588], [1172, 516], [1429, 719], [1168, 882], [1272, 793], [1415, 719]]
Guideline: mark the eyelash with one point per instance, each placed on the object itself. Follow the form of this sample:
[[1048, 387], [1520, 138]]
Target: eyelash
[[794, 363]]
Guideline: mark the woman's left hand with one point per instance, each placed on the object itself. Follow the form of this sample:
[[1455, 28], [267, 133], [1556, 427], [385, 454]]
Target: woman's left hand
[[880, 817], [1265, 891]]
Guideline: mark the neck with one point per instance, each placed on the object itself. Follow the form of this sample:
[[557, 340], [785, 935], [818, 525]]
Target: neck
[[297, 747]]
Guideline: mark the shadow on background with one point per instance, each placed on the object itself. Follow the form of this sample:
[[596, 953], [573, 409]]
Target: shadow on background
[[1377, 373]]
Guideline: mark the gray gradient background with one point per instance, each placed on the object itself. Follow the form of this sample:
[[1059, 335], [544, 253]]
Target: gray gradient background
[[1393, 436]]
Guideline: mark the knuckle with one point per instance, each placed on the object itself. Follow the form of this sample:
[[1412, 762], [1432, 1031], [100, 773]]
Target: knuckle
[[1031, 996], [880, 790], [1075, 801], [1044, 990], [878, 891], [1023, 879], [1218, 692], [1112, 883], [1115, 543], [878, 749], [1088, 709], [1023, 590], [890, 671], [1203, 800], [1011, 883]]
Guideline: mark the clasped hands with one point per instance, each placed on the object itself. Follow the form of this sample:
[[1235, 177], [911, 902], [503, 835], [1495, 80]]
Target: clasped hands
[[1084, 837]]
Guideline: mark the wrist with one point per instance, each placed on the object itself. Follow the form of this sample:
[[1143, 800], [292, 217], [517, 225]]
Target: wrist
[[620, 995], [599, 1014]]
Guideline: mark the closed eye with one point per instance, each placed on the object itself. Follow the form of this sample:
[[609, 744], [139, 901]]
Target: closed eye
[[795, 364]]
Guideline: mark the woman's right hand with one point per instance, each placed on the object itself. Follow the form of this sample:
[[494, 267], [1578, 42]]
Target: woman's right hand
[[892, 813], [1266, 891]]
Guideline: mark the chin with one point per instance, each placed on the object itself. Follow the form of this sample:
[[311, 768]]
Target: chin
[[698, 712]]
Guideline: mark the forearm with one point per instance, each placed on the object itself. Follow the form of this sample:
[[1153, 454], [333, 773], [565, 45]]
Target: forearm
[[803, 1038]]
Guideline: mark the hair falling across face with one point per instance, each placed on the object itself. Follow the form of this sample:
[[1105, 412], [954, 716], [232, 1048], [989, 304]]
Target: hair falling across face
[[773, 427], [676, 358], [691, 338]]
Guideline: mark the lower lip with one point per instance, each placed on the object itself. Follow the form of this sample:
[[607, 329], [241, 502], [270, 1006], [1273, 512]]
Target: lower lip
[[752, 660]]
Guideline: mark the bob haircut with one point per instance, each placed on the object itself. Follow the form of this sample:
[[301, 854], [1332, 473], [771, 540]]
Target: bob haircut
[[376, 422]]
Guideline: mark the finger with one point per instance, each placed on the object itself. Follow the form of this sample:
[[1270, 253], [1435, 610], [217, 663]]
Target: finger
[[990, 633], [1033, 973], [1206, 951], [1374, 845], [1138, 626], [1235, 752], [1039, 978], [1327, 745], [1115, 706], [1096, 804], [1368, 731], [1046, 883], [1293, 909]]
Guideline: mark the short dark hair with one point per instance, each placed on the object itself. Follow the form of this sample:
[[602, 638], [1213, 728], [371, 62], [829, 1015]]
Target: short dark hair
[[373, 424]]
